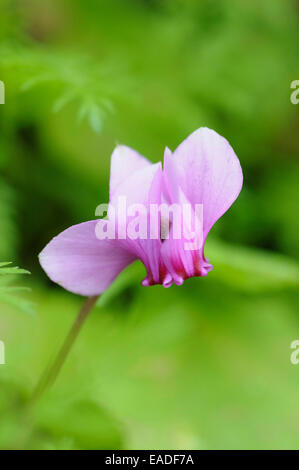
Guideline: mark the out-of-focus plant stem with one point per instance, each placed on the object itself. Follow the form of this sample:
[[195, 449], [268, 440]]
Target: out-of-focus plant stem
[[51, 373]]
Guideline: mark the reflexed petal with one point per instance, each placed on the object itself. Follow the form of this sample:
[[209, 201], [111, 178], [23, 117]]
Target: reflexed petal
[[81, 263], [208, 171], [182, 252], [124, 162], [136, 187], [144, 187]]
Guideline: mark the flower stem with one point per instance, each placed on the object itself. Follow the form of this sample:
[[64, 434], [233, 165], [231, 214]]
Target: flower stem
[[51, 373]]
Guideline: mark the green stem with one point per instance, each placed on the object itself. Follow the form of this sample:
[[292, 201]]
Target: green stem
[[51, 373]]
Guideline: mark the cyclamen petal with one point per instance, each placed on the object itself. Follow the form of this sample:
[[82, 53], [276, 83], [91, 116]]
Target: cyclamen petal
[[207, 170], [203, 170], [82, 264], [124, 162], [143, 187]]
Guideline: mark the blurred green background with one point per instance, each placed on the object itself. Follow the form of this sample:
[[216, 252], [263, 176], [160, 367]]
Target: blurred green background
[[201, 366]]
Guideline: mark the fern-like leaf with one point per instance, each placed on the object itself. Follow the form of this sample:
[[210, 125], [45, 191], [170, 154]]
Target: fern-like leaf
[[8, 292]]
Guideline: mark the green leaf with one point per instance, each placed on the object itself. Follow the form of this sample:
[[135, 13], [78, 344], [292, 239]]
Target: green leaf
[[8, 292], [92, 86], [14, 270], [250, 268]]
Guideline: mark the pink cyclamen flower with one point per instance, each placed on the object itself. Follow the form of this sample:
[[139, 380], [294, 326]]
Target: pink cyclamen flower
[[203, 170]]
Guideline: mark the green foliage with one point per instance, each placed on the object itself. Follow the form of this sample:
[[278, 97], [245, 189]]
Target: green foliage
[[8, 292], [8, 230], [252, 270], [171, 368], [204, 365], [75, 78], [83, 424]]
